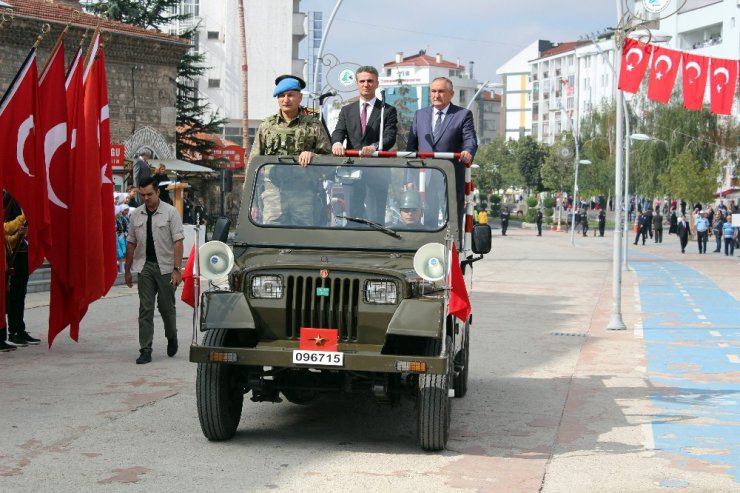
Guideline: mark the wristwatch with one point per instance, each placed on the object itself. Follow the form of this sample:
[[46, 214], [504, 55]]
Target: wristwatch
[[176, 268]]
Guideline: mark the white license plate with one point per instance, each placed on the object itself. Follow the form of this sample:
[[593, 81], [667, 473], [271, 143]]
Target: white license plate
[[317, 358]]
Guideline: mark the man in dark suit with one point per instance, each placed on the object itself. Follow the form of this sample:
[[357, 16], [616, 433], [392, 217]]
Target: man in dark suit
[[359, 126], [443, 127], [140, 170], [682, 229]]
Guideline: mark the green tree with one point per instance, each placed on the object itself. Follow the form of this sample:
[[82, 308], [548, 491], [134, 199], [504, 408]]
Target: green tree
[[688, 178], [557, 169], [530, 155], [142, 13], [405, 108], [498, 166]]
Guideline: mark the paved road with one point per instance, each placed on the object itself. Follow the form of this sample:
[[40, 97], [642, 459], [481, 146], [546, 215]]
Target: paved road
[[557, 403]]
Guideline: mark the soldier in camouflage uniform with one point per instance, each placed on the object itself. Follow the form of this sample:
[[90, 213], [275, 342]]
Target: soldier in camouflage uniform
[[288, 195]]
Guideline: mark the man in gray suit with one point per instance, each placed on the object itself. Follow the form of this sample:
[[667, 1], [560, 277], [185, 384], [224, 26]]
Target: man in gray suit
[[141, 166], [359, 126], [443, 127]]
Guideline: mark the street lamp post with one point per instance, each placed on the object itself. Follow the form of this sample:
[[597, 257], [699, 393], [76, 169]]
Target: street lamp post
[[320, 56], [627, 154], [575, 195]]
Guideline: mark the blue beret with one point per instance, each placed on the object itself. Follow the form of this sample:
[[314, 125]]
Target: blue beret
[[287, 84]]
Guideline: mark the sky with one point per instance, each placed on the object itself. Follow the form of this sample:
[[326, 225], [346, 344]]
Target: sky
[[488, 32]]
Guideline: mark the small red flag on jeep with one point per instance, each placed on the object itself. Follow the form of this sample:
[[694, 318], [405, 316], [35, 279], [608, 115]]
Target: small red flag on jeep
[[318, 339]]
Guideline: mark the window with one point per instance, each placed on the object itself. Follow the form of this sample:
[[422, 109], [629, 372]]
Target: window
[[213, 35], [214, 83]]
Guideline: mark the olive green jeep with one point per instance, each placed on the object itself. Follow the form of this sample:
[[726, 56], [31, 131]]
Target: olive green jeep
[[338, 281]]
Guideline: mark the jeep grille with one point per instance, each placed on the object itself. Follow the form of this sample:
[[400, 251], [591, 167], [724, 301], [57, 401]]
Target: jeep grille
[[338, 310]]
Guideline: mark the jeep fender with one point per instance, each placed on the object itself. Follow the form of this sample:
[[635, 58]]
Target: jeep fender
[[418, 317], [225, 310]]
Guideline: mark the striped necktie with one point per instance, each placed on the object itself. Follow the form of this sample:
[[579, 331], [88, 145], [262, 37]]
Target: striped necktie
[[437, 126]]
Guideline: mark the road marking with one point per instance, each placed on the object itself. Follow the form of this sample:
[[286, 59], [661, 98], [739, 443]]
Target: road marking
[[734, 358], [715, 333], [697, 310], [686, 295], [723, 345]]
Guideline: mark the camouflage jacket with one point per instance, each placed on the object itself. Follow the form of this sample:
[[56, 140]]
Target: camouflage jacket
[[276, 137]]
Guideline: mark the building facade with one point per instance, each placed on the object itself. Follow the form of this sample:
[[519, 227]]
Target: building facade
[[141, 66], [274, 30]]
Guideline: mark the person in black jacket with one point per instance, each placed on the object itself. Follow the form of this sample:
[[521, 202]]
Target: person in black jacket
[[642, 227], [682, 229], [658, 226], [538, 222], [505, 215], [602, 222]]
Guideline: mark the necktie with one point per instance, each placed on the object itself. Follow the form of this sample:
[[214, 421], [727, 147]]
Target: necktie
[[437, 126], [363, 117]]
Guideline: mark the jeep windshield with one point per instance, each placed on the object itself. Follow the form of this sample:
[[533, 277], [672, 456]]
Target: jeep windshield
[[349, 197]]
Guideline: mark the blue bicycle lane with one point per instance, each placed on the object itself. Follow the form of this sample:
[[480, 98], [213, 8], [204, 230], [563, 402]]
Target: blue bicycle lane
[[691, 330]]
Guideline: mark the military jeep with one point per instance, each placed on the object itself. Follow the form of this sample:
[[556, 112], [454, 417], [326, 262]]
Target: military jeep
[[315, 300]]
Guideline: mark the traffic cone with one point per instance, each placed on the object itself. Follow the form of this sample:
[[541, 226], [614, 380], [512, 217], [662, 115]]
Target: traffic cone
[[634, 226], [552, 226]]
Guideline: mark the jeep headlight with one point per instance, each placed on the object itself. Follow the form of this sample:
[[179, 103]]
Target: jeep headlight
[[381, 292], [270, 287]]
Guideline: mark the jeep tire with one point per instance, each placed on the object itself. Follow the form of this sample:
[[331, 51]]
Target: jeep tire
[[219, 395], [460, 381]]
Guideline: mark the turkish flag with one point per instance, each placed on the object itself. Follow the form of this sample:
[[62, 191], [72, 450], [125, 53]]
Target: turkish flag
[[64, 306], [108, 214], [188, 281], [722, 82], [24, 174], [695, 71], [635, 60], [459, 301], [663, 72], [318, 339]]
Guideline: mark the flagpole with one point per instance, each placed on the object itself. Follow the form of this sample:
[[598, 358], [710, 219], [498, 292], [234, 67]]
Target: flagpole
[[54, 50]]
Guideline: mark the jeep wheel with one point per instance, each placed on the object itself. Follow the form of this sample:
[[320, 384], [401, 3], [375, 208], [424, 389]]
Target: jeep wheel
[[460, 381], [434, 411], [218, 394]]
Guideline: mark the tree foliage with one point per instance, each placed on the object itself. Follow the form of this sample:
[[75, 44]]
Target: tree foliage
[[557, 170], [530, 155], [689, 179], [498, 166], [405, 107], [141, 13], [194, 115]]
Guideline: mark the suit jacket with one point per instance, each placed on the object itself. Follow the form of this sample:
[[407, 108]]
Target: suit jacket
[[683, 229], [458, 132], [348, 127], [140, 170]]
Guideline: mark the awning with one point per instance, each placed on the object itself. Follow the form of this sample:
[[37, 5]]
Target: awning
[[728, 192], [180, 166]]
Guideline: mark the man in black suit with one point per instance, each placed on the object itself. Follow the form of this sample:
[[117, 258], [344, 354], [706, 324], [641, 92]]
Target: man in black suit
[[359, 126]]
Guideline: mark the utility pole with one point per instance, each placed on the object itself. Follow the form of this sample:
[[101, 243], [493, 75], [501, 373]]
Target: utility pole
[[245, 79]]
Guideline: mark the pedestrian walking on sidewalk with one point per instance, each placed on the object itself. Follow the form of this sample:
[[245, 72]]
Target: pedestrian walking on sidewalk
[[682, 230], [602, 222], [717, 230], [505, 214], [701, 223], [154, 250], [730, 234], [658, 226], [538, 222]]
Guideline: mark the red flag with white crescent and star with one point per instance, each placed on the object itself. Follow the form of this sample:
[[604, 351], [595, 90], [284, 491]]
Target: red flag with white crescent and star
[[722, 83], [24, 174], [53, 130], [635, 61], [695, 71], [663, 72]]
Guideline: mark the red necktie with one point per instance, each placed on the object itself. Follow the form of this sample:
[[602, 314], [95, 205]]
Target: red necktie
[[363, 117]]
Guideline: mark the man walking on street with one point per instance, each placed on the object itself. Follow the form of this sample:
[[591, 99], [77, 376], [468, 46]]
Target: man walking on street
[[682, 229], [602, 222], [154, 250], [658, 226], [701, 223], [505, 214], [538, 221]]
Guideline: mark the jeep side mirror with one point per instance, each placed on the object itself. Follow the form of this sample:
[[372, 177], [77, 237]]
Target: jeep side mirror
[[481, 239], [221, 229]]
